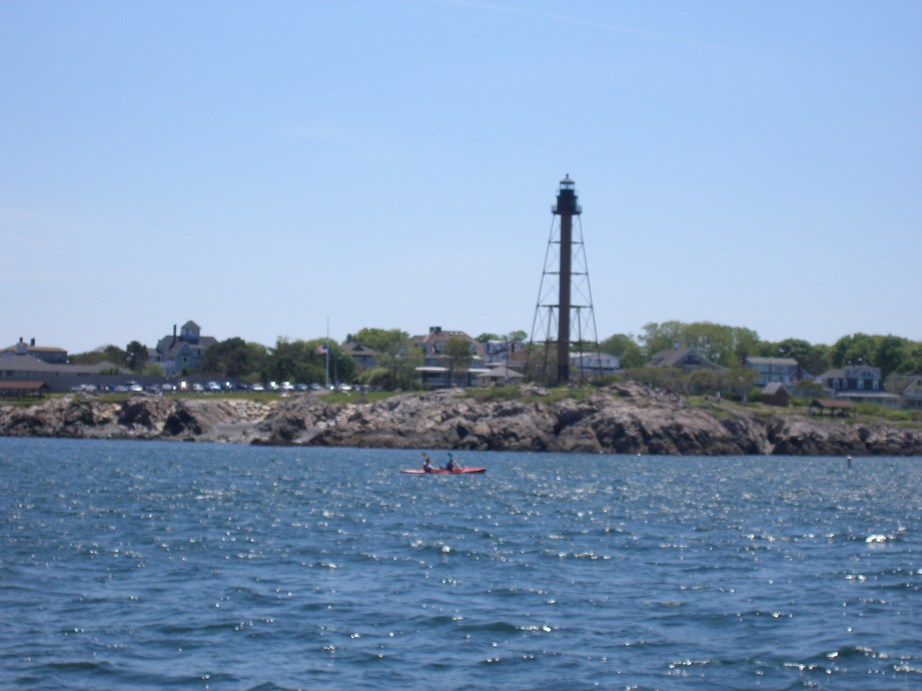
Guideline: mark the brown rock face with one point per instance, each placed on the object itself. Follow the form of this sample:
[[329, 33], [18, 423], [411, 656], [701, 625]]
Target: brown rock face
[[624, 418]]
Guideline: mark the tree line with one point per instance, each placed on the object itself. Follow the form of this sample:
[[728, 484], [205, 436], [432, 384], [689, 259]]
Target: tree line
[[396, 359], [728, 346]]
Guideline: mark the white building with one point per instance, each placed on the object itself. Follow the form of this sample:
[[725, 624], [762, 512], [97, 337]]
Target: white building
[[770, 370], [593, 364]]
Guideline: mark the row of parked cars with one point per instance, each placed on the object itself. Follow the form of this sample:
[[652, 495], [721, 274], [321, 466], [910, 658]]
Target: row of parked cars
[[288, 386], [208, 387]]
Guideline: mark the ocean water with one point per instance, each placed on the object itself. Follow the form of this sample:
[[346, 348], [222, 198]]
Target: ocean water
[[151, 565]]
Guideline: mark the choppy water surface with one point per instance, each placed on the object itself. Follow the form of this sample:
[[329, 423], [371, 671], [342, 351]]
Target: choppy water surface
[[131, 564]]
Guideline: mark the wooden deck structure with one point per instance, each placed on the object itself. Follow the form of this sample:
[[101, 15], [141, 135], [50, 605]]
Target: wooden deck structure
[[819, 406], [23, 389]]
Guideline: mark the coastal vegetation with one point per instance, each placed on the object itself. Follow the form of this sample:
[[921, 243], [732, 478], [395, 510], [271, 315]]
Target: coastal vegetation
[[396, 359]]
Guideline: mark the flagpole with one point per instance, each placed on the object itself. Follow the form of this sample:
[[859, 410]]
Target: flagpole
[[326, 347]]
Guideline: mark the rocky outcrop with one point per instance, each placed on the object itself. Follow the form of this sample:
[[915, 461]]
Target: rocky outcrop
[[624, 419]]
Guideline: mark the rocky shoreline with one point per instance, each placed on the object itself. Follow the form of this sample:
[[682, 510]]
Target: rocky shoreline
[[622, 419]]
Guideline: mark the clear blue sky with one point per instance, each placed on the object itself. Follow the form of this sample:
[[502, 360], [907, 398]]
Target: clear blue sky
[[266, 167]]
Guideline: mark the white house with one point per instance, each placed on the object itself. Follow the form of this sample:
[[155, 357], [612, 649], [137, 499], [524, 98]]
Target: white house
[[859, 384], [594, 364], [770, 370], [180, 352]]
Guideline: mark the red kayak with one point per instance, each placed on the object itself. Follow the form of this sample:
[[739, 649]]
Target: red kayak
[[442, 471]]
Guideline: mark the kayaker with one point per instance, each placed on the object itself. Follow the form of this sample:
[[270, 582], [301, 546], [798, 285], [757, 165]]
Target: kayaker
[[427, 464], [451, 466]]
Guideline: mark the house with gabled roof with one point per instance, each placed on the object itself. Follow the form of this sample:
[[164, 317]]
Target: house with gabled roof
[[908, 388], [364, 357], [912, 395], [48, 354], [775, 393], [858, 383], [852, 378], [435, 371], [686, 359], [177, 353]]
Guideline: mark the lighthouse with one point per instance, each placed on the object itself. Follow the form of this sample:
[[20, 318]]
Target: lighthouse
[[564, 317], [566, 207]]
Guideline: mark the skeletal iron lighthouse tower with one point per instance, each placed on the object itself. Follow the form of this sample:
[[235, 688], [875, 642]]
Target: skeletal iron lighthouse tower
[[565, 297]]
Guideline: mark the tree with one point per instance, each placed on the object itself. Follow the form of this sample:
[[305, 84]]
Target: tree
[[458, 352], [307, 361], [626, 348], [852, 350], [109, 353], [706, 380], [152, 369], [285, 357], [893, 354], [656, 377], [394, 370], [723, 345], [658, 337], [342, 366], [234, 358], [136, 355], [913, 362], [808, 390], [740, 381], [381, 340], [811, 358], [395, 358]]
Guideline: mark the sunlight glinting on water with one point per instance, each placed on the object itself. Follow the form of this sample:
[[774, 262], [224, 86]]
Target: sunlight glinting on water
[[148, 564]]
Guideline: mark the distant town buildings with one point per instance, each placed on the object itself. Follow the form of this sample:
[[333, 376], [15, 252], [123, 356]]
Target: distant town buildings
[[28, 369], [22, 373], [178, 353], [44, 353]]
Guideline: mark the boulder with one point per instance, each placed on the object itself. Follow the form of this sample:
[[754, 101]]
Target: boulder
[[623, 418]]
